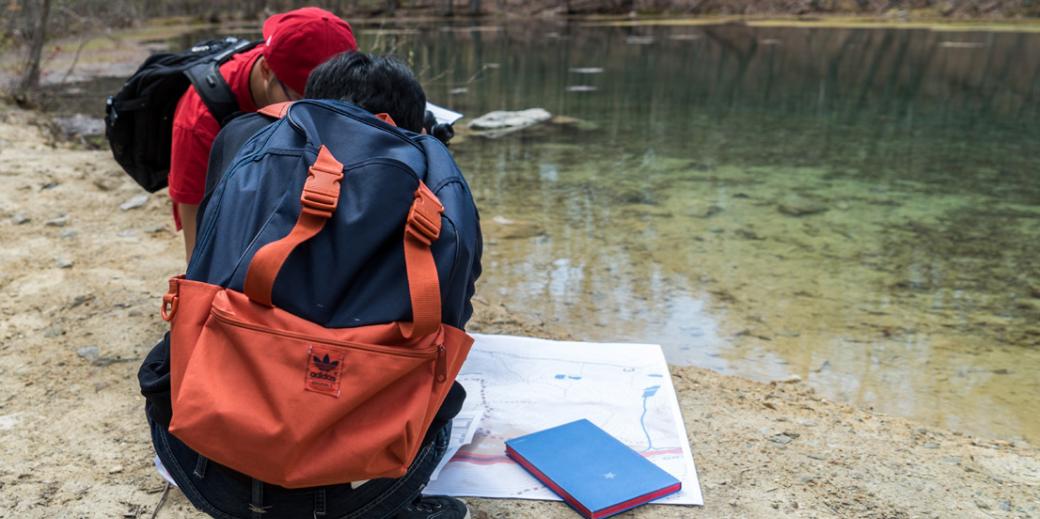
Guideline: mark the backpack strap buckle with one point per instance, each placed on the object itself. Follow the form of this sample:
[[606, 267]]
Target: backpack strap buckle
[[424, 218], [321, 191]]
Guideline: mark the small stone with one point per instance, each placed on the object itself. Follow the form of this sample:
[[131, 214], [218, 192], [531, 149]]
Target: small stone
[[931, 445], [20, 219], [127, 233], [581, 88], [116, 469], [53, 331], [800, 206], [155, 229], [781, 439], [106, 184], [1005, 505], [503, 121], [81, 299], [793, 379], [89, 353], [69, 233], [60, 221], [1001, 371], [63, 263], [982, 505], [134, 202]]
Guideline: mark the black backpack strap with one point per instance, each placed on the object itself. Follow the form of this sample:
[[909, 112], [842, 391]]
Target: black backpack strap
[[213, 89], [211, 86]]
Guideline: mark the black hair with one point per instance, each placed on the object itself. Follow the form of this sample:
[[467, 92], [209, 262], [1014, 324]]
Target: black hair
[[379, 84]]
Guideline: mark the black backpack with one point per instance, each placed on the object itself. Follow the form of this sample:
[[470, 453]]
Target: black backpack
[[139, 119]]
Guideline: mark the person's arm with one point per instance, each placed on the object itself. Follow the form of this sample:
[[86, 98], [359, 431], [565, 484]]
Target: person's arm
[[189, 155], [188, 214]]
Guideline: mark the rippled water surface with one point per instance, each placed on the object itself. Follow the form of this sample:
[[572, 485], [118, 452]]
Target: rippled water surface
[[856, 207]]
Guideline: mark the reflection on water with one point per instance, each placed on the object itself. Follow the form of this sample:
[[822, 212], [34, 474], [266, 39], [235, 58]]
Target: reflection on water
[[857, 207]]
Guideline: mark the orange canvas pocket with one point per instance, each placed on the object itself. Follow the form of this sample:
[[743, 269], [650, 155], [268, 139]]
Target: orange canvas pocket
[[256, 397]]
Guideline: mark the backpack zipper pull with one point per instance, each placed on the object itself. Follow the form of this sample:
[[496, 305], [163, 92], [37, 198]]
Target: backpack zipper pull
[[442, 364]]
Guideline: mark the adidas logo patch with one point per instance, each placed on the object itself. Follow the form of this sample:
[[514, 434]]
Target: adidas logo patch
[[324, 368]]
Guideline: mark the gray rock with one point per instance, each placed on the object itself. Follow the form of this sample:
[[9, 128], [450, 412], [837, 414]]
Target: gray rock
[[69, 233], [20, 219], [60, 221], [781, 439], [106, 183], [80, 125], [800, 206], [63, 263], [89, 353], [134, 202], [506, 120]]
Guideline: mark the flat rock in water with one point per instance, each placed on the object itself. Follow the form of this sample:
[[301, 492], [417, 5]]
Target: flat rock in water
[[505, 120], [800, 206], [581, 88]]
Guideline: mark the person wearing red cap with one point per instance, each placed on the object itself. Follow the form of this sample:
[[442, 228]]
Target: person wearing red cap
[[294, 44]]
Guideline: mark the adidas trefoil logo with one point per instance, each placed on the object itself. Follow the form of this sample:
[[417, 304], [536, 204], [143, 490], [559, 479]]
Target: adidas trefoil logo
[[324, 364]]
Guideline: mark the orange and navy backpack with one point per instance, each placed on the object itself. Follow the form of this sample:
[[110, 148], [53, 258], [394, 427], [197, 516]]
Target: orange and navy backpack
[[319, 325]]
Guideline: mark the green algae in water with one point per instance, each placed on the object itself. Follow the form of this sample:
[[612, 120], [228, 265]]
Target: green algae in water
[[858, 207]]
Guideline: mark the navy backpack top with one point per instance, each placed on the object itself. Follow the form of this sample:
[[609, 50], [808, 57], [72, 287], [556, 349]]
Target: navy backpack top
[[359, 253]]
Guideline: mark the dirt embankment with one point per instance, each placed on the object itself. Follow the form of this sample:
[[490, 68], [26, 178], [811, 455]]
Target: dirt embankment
[[80, 281]]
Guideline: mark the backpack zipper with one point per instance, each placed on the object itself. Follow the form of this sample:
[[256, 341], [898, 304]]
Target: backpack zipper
[[437, 350]]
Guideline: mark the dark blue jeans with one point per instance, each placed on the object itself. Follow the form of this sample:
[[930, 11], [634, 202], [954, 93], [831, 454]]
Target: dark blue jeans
[[226, 494]]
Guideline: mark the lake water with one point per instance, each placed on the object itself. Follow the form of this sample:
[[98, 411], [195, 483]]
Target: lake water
[[855, 207]]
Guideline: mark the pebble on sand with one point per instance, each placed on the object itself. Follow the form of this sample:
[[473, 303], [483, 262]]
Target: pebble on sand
[[60, 221], [89, 353], [134, 202]]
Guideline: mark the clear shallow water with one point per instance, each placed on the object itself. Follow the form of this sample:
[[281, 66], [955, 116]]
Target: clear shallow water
[[857, 207], [911, 288]]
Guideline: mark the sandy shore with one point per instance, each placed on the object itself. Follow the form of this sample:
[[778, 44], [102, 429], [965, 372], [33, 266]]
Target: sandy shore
[[80, 281]]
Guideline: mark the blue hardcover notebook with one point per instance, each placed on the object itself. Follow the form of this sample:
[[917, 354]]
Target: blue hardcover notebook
[[591, 470]]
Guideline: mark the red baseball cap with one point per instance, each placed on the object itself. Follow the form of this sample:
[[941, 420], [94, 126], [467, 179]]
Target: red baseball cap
[[299, 40]]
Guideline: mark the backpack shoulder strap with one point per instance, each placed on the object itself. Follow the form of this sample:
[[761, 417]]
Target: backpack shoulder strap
[[213, 89], [319, 200], [211, 85], [276, 110]]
